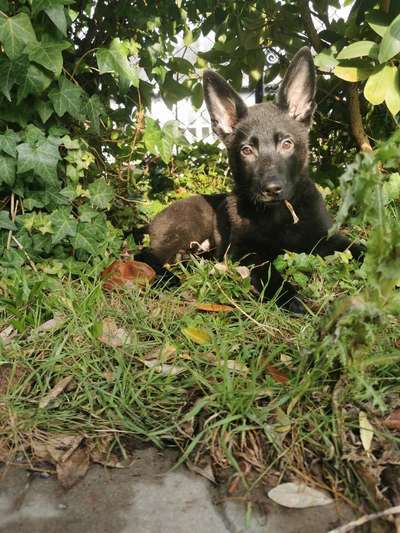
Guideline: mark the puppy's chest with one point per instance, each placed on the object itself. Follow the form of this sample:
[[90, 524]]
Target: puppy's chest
[[267, 229]]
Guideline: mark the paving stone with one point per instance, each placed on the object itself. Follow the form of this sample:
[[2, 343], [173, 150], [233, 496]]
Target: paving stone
[[148, 497]]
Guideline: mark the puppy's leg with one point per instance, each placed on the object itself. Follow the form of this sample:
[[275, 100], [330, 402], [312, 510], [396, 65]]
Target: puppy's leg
[[339, 243], [265, 277], [164, 276]]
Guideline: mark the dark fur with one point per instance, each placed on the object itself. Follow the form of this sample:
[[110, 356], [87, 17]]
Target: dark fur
[[253, 223]]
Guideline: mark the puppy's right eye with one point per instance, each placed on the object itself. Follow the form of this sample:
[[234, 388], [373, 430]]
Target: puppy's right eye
[[247, 150]]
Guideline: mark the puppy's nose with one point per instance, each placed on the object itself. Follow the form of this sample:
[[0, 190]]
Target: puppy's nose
[[274, 189]]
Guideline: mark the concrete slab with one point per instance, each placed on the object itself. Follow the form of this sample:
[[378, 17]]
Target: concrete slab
[[146, 498]]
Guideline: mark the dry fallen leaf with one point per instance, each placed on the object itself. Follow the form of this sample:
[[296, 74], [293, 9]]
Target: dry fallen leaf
[[366, 431], [243, 272], [236, 366], [214, 308], [7, 335], [276, 375], [298, 496], [73, 468], [219, 267], [231, 364], [283, 422], [112, 335], [127, 274], [54, 323], [56, 447], [164, 368], [205, 470], [55, 391], [197, 335], [393, 420], [162, 355]]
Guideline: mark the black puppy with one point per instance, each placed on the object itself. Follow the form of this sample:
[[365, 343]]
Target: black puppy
[[267, 146]]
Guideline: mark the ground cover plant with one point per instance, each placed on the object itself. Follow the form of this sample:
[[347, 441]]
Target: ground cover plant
[[206, 367]]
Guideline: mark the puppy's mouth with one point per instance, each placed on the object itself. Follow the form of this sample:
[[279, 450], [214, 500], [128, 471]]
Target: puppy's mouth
[[265, 197]]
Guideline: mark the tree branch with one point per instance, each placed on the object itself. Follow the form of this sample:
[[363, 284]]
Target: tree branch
[[356, 120], [309, 25]]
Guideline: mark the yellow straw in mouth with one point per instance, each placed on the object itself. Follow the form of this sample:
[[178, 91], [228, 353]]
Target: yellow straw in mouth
[[292, 212]]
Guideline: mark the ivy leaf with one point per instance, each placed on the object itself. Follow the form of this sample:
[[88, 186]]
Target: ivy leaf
[[48, 54], [93, 110], [68, 97], [6, 222], [42, 159], [12, 72], [57, 16], [8, 143], [114, 60], [171, 135], [7, 170], [44, 110], [152, 136], [34, 82], [41, 5], [101, 194], [63, 223], [15, 33], [86, 239]]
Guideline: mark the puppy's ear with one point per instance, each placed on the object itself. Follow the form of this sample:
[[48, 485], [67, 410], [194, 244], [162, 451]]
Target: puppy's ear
[[297, 91], [225, 106]]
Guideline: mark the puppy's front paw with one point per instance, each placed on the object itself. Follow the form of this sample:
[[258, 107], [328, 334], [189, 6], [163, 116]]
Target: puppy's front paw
[[167, 279], [295, 306], [358, 251]]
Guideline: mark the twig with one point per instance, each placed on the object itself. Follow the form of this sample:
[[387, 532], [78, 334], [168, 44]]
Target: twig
[[25, 253], [366, 518], [309, 27], [356, 120]]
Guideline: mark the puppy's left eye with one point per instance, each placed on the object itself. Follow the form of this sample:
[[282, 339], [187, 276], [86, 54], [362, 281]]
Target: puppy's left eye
[[287, 144], [246, 149]]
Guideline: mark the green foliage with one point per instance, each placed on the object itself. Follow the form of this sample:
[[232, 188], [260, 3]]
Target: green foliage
[[54, 191], [370, 193], [369, 50]]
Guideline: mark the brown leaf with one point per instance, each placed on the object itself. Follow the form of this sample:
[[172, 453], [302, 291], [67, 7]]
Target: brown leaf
[[243, 271], [205, 470], [366, 431], [54, 323], [72, 469], [112, 335], [127, 274], [56, 448], [234, 484], [163, 368], [393, 420], [55, 391], [276, 375], [162, 355], [214, 308], [7, 335]]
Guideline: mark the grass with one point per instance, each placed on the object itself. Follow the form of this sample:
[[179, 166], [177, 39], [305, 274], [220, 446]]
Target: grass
[[266, 389]]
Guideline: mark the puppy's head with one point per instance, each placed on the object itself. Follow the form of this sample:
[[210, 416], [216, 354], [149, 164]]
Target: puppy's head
[[267, 143]]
